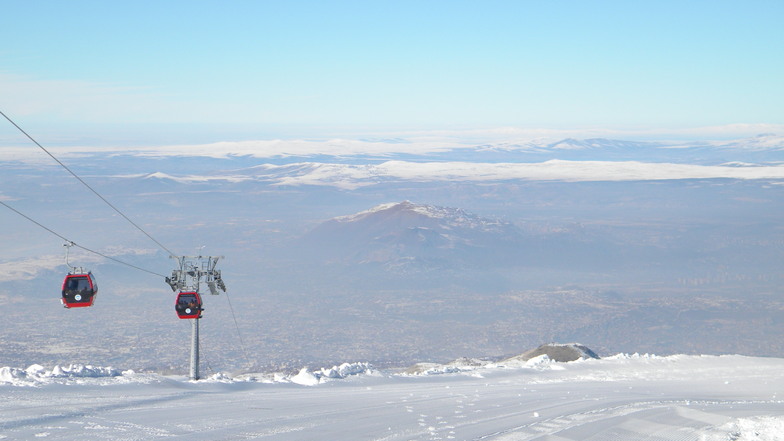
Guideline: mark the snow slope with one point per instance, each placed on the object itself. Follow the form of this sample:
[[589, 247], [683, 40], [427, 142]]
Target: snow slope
[[625, 397]]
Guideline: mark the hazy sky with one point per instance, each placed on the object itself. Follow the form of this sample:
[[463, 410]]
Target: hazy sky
[[393, 64]]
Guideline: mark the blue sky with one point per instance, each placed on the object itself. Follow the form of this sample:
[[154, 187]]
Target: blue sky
[[391, 65]]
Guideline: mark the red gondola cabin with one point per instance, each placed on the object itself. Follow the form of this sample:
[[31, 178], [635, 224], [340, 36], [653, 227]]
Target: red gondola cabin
[[79, 290], [188, 305]]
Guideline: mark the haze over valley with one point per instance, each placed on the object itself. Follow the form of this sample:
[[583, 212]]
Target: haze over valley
[[393, 257]]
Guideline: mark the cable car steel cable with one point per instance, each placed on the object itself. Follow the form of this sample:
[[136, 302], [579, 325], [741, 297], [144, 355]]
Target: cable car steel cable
[[87, 185], [80, 246], [92, 283], [237, 326], [118, 211]]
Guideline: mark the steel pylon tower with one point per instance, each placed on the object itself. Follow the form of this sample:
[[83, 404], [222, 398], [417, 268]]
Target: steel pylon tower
[[192, 271]]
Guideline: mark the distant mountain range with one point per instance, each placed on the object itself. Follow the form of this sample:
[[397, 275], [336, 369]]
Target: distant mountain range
[[368, 163], [764, 148]]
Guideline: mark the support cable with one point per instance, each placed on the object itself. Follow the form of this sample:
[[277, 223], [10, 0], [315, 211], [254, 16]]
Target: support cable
[[76, 244], [239, 335], [87, 185]]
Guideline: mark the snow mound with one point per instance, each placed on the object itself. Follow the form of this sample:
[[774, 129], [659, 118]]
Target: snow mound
[[462, 364], [304, 377], [762, 428], [635, 356], [345, 370], [539, 362], [433, 369], [37, 374], [337, 372]]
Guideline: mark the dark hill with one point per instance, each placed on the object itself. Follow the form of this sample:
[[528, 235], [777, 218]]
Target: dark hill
[[558, 352]]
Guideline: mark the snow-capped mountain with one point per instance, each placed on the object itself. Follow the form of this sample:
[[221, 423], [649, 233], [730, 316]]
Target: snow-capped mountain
[[408, 235], [765, 141], [352, 165], [416, 215], [761, 142], [596, 144], [763, 148]]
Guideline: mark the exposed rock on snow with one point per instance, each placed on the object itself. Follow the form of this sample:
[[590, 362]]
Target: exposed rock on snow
[[557, 352], [540, 358]]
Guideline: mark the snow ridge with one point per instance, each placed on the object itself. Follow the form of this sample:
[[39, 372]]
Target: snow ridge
[[36, 374], [711, 398]]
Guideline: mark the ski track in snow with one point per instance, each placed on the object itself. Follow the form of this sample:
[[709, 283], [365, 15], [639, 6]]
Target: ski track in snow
[[706, 398]]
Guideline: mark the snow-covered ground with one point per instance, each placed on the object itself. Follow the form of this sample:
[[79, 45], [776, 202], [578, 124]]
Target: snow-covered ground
[[617, 398]]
